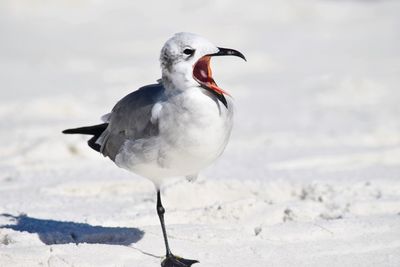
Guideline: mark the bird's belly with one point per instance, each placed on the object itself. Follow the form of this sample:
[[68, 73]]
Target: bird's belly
[[187, 155], [195, 147], [196, 140]]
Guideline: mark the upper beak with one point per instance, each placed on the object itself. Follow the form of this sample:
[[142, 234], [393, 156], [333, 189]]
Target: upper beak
[[228, 52]]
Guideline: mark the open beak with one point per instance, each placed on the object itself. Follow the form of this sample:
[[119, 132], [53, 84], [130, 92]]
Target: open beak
[[202, 72]]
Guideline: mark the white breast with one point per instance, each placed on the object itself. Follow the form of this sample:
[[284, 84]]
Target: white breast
[[196, 125], [194, 129]]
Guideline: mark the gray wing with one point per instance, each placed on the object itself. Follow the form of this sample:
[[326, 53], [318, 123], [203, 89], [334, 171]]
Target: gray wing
[[130, 119]]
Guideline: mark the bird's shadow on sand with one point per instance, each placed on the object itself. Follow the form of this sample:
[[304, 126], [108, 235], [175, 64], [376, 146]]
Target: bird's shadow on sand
[[58, 232]]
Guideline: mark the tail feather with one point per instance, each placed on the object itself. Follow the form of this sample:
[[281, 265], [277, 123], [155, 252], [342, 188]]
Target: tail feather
[[95, 130]]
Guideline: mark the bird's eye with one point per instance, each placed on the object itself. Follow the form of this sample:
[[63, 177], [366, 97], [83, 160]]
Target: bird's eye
[[188, 51]]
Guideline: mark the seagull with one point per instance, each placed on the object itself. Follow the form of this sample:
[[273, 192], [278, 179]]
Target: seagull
[[174, 128]]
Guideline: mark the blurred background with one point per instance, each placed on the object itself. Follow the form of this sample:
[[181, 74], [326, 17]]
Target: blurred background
[[322, 75]]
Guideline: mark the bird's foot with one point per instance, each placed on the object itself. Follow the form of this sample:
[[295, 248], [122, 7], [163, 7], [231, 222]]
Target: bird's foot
[[175, 261]]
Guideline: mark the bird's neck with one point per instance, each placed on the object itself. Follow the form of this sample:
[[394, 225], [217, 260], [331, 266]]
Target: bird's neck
[[176, 80]]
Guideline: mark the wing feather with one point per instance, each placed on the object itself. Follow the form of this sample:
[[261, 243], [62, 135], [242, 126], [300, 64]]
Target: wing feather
[[131, 119]]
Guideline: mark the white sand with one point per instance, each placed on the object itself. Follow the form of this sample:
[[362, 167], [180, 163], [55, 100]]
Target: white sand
[[311, 176]]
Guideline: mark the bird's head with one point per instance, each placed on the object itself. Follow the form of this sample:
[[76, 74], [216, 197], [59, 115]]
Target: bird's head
[[185, 62]]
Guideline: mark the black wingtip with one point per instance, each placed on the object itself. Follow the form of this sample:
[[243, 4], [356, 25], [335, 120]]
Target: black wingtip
[[95, 130], [90, 130], [68, 131]]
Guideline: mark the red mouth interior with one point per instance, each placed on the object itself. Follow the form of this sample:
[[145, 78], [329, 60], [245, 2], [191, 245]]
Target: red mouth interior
[[203, 75]]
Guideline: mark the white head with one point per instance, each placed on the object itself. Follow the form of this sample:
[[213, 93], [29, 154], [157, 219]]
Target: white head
[[185, 62]]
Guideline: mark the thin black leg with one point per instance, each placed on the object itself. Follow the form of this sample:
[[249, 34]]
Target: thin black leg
[[160, 212], [170, 260]]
